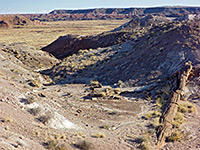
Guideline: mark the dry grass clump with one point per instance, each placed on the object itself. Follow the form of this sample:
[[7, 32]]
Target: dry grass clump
[[60, 136], [37, 133], [80, 135], [54, 144], [144, 146], [121, 84], [99, 135], [97, 90], [178, 120], [153, 114], [94, 82], [186, 107], [155, 123], [143, 142], [175, 136], [161, 102]]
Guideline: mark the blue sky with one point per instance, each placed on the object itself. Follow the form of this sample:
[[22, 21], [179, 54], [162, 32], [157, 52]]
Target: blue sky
[[38, 6]]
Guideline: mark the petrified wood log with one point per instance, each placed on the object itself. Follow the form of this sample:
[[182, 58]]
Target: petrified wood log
[[179, 82]]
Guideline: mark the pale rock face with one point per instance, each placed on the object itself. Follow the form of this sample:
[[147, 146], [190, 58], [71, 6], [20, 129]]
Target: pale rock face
[[60, 122]]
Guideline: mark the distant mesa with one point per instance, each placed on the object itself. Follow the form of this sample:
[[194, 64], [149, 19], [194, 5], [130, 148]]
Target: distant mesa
[[9, 21], [112, 13]]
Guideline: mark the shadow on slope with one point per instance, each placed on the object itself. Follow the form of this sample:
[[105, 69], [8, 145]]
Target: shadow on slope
[[70, 44], [138, 63]]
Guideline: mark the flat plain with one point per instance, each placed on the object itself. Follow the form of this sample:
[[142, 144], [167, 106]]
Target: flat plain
[[40, 36]]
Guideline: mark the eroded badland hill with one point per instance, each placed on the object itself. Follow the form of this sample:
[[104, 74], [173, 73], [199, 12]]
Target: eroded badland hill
[[134, 87]]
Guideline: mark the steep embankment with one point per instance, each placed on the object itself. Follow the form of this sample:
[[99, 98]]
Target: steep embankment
[[70, 44]]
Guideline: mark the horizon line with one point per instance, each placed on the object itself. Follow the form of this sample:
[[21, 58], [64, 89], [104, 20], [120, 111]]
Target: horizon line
[[106, 7]]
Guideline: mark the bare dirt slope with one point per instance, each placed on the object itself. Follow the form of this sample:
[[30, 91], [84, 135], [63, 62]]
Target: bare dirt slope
[[72, 116], [140, 61], [143, 67]]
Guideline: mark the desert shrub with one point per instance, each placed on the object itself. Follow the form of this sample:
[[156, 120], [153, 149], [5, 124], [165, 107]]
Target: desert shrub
[[34, 111], [34, 83], [153, 114], [161, 102], [144, 146], [30, 99], [45, 118], [107, 127], [140, 140], [53, 144], [155, 123], [186, 107], [178, 120], [102, 94], [83, 145], [94, 82], [175, 136], [80, 134]]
